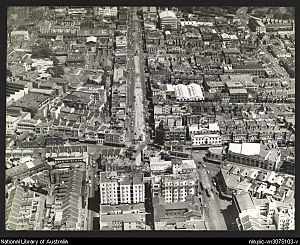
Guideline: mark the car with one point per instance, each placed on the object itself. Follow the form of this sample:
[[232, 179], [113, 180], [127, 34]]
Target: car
[[208, 171], [204, 165]]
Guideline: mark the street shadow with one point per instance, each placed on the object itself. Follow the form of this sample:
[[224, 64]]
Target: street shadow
[[94, 203], [229, 219], [96, 224]]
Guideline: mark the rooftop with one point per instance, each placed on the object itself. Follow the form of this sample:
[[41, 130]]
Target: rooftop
[[167, 14], [244, 201]]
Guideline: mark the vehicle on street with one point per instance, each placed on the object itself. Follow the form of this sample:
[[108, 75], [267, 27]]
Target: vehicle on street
[[208, 193]]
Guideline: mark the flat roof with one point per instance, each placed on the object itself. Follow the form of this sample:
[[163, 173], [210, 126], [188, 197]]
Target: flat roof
[[245, 148], [244, 201], [238, 91]]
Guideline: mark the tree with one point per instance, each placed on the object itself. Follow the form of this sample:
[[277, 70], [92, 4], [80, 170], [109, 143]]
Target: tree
[[55, 61], [41, 52], [56, 71], [8, 73]]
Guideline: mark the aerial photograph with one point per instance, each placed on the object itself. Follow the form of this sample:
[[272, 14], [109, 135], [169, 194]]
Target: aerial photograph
[[150, 118]]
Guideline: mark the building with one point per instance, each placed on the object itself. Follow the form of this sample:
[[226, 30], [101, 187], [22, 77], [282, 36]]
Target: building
[[284, 217], [183, 166], [15, 92], [151, 11], [159, 165], [27, 125], [279, 25], [186, 215], [262, 214], [123, 217], [117, 189], [253, 69], [24, 209], [238, 95], [176, 134], [191, 92], [176, 187], [237, 92], [243, 205], [168, 20], [106, 11], [254, 154], [45, 27], [12, 122], [64, 204], [73, 11], [256, 25], [206, 140], [24, 35]]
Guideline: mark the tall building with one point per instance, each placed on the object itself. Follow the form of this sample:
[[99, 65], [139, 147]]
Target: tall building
[[23, 12], [168, 20], [150, 10], [237, 92], [106, 11], [117, 189], [176, 187], [256, 25]]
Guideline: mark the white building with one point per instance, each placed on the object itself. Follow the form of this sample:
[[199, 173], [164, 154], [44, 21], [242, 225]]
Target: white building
[[121, 42], [77, 11], [198, 129], [191, 92], [17, 95], [21, 34], [149, 9], [175, 188], [184, 166], [168, 20], [206, 139], [244, 205], [12, 122], [116, 189], [159, 165], [27, 125], [106, 11]]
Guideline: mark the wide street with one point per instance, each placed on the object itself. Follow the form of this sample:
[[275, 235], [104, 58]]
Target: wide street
[[136, 128], [216, 209], [92, 197], [139, 81]]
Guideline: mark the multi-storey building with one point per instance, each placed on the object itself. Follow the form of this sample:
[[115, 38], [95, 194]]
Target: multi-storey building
[[176, 187], [256, 25], [206, 139], [116, 189], [106, 11], [175, 134], [168, 20]]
